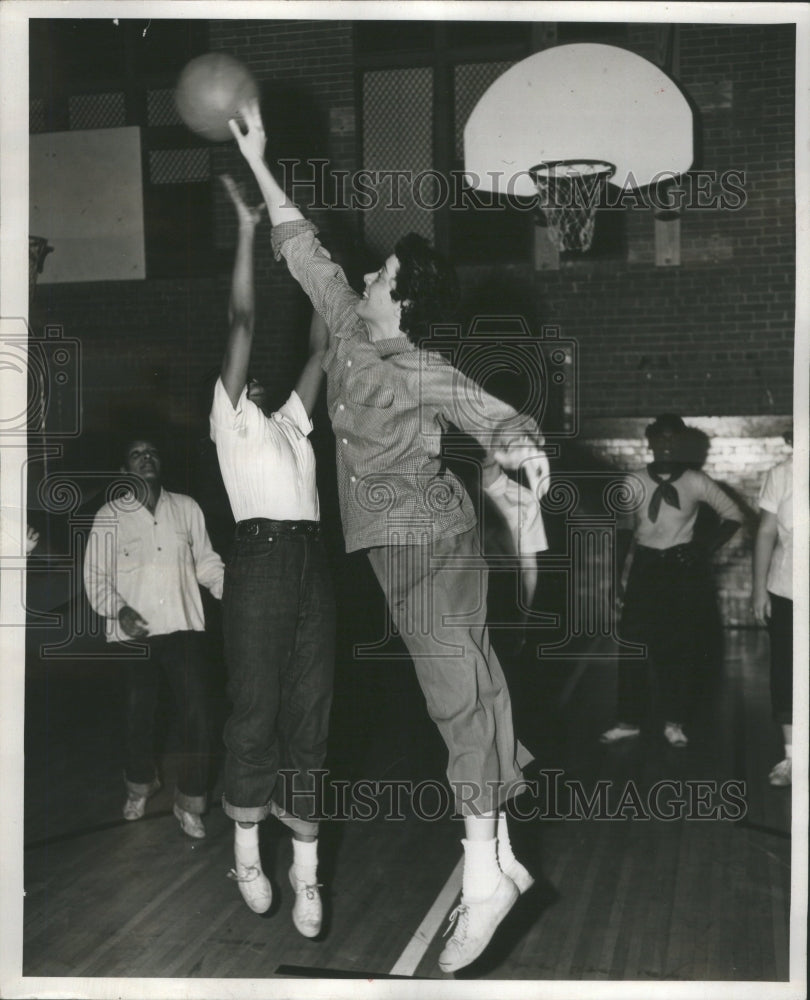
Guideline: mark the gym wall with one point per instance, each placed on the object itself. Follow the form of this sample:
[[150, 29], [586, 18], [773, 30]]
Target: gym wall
[[708, 337]]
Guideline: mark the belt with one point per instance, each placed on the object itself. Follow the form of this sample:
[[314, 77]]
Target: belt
[[262, 528]]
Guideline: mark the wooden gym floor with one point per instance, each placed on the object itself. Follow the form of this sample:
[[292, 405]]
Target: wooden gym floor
[[615, 899]]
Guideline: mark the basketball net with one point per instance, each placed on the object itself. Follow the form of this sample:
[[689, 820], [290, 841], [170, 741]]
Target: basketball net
[[568, 196]]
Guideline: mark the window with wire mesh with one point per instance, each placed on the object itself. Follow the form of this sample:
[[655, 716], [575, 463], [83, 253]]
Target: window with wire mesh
[[482, 226], [397, 150], [91, 111], [419, 85]]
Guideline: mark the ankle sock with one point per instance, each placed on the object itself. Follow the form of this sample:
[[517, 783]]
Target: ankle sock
[[481, 871], [246, 845], [305, 860]]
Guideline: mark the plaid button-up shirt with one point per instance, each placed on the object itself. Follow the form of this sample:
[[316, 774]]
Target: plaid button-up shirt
[[389, 402]]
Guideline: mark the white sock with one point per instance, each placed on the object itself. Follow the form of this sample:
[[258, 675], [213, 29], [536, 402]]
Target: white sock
[[305, 860], [788, 751], [481, 871], [506, 858], [246, 845]]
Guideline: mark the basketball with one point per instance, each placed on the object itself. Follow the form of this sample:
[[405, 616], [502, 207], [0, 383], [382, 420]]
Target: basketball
[[210, 90]]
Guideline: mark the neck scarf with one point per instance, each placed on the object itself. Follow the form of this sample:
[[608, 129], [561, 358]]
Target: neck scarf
[[664, 489]]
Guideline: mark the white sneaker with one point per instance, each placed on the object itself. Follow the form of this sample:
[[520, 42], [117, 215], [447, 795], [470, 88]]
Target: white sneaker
[[675, 735], [619, 732], [782, 773], [254, 886], [190, 822], [475, 923], [520, 876], [136, 804], [307, 911]]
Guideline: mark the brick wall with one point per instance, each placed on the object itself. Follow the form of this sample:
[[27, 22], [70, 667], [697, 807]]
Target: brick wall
[[712, 336]]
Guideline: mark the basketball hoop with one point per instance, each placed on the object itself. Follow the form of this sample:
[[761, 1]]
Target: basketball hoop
[[38, 250], [568, 193]]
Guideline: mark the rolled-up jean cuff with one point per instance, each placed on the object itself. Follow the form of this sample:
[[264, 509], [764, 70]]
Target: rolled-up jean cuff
[[304, 827], [245, 814], [141, 789], [191, 803]]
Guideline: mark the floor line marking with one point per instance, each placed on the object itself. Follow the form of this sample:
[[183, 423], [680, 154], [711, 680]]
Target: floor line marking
[[414, 952]]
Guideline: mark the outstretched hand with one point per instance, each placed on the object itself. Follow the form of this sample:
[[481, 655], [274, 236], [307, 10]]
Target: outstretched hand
[[527, 454], [247, 216], [253, 140]]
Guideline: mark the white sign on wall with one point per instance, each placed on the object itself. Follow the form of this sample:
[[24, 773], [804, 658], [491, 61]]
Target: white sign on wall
[[86, 198]]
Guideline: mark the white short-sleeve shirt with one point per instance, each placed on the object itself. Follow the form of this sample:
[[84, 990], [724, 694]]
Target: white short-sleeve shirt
[[267, 462], [776, 496]]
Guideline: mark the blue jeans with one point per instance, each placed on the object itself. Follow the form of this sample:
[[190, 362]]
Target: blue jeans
[[279, 631], [181, 658]]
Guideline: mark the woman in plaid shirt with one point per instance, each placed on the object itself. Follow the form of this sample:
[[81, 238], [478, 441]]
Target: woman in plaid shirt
[[389, 402]]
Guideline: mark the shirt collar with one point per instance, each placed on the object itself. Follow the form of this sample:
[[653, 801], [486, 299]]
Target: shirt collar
[[394, 345]]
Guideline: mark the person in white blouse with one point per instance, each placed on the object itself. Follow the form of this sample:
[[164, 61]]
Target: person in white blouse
[[278, 605], [147, 555], [670, 587], [772, 599]]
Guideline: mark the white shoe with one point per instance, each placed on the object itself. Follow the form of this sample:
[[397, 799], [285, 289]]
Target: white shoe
[[619, 732], [254, 886], [520, 876], [675, 735], [475, 923], [136, 804], [307, 911], [190, 822], [782, 773]]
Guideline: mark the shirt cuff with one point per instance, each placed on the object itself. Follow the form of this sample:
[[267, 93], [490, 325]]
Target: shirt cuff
[[295, 412], [287, 231]]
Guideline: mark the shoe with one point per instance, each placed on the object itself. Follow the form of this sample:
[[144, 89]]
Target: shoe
[[782, 774], [190, 822], [307, 911], [254, 886], [520, 876], [475, 923], [136, 804], [675, 735], [620, 732]]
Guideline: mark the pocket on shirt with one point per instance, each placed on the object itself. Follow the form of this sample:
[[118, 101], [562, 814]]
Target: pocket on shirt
[[130, 555], [364, 392], [184, 540]]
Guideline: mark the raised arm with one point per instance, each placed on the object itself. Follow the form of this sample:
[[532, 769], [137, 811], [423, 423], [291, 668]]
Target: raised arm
[[309, 381], [252, 142], [241, 310]]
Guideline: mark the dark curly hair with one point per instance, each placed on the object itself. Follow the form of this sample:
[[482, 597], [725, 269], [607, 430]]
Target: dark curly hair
[[426, 285], [666, 423]]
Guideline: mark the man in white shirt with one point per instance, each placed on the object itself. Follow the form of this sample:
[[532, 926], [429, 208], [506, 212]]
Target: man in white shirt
[[147, 555], [278, 606]]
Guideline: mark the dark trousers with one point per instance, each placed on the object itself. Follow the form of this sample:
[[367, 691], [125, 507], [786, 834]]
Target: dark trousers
[[180, 657], [279, 628], [668, 607], [780, 630]]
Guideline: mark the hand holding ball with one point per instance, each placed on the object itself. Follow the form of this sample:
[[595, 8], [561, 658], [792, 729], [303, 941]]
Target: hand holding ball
[[210, 90]]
